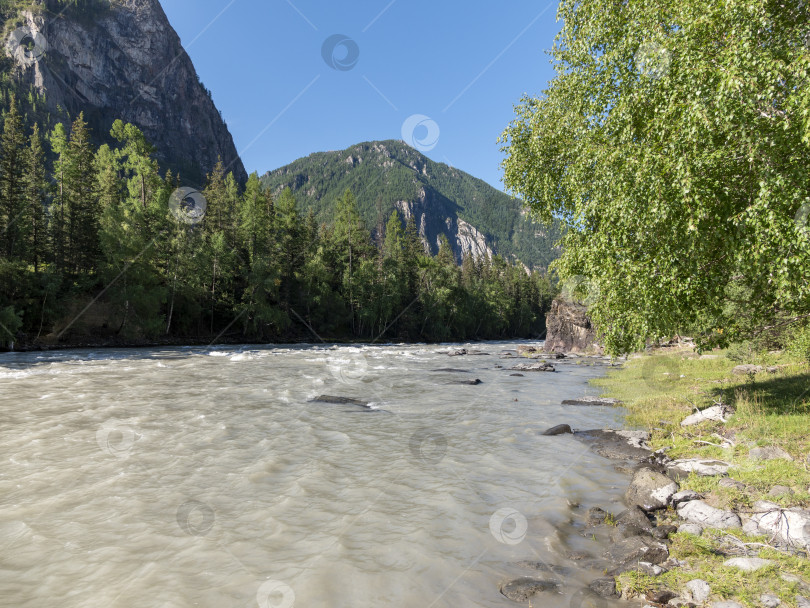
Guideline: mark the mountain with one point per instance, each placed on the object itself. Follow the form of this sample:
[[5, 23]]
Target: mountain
[[119, 59], [386, 175]]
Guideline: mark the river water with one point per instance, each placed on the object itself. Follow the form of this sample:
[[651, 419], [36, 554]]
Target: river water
[[209, 477]]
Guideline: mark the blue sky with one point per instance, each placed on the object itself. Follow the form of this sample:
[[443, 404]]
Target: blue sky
[[462, 65]]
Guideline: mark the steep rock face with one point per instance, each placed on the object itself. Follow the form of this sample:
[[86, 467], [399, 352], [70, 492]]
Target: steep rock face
[[434, 221], [126, 61], [569, 329]]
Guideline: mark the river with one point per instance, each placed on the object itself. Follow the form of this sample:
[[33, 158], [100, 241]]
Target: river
[[208, 477]]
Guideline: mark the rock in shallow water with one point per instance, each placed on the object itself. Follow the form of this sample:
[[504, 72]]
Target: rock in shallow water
[[339, 400], [619, 445], [544, 567], [524, 588], [634, 516], [560, 429], [533, 367], [626, 554], [604, 587]]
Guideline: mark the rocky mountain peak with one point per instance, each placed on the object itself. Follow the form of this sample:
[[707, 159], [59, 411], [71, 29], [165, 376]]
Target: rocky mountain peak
[[124, 60]]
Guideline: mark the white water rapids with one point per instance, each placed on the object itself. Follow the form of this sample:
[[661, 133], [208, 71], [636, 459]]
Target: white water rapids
[[208, 477]]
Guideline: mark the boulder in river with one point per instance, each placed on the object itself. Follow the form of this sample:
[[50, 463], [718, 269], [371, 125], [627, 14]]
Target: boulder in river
[[525, 588], [650, 490], [358, 403], [533, 367], [451, 370], [560, 429], [339, 400], [471, 382]]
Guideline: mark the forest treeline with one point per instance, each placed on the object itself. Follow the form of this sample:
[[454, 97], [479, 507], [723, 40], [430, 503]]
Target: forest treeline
[[90, 252]]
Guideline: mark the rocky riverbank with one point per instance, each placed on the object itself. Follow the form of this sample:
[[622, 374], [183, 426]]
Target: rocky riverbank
[[717, 502], [718, 491]]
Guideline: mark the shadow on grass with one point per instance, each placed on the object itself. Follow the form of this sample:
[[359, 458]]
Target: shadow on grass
[[776, 395]]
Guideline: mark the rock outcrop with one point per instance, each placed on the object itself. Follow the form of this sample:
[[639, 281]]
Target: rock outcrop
[[569, 329], [126, 61], [434, 221]]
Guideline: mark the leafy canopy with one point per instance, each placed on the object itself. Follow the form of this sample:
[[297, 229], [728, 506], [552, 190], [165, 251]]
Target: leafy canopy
[[673, 143]]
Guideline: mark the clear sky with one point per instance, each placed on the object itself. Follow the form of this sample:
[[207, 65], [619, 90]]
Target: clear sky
[[460, 66]]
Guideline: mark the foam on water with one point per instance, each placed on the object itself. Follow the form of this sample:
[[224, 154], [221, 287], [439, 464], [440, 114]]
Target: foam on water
[[192, 477]]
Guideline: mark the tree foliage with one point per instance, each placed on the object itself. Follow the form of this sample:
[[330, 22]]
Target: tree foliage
[[90, 250], [673, 144]]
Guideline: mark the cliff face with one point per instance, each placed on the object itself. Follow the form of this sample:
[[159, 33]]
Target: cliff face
[[434, 220], [126, 62]]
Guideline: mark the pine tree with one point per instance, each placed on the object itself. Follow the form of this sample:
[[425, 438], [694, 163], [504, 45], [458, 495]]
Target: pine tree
[[83, 206], [35, 187], [58, 210], [13, 209]]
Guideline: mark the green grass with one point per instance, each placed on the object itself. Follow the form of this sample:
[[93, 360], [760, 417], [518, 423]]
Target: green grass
[[659, 391]]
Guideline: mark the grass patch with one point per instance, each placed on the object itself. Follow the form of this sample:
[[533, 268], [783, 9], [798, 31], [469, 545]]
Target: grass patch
[[704, 560], [770, 409]]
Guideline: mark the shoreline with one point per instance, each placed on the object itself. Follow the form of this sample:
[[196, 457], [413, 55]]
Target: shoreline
[[715, 540]]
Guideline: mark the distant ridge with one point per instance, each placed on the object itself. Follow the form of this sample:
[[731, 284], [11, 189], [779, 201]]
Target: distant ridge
[[476, 218]]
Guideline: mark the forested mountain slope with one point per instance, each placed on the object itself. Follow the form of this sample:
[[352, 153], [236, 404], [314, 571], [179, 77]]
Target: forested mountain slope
[[388, 175]]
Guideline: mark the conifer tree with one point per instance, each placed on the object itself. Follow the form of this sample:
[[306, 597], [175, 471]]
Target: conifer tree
[[83, 208], [13, 209], [35, 186]]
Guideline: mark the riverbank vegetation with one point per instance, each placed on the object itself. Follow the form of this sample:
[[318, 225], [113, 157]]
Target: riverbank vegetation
[[673, 144], [91, 253], [768, 408]]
